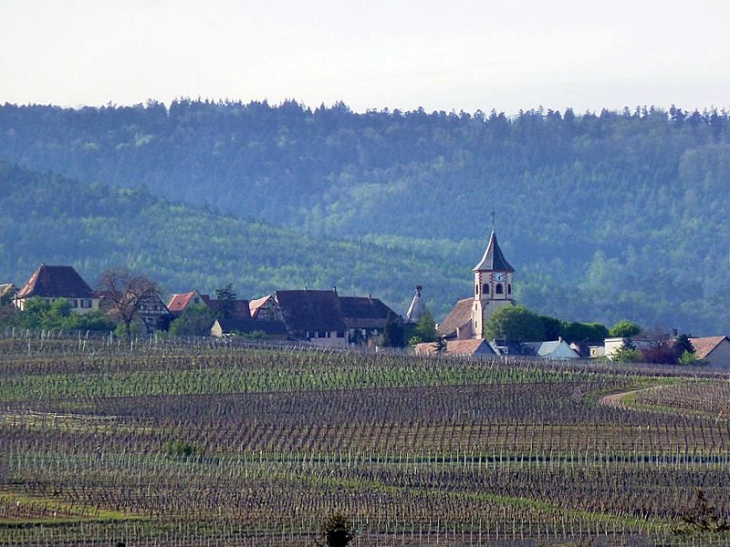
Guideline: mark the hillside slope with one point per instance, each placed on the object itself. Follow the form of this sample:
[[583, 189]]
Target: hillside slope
[[604, 216], [47, 218]]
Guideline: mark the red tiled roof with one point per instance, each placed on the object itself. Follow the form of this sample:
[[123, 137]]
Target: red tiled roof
[[705, 346], [179, 302], [468, 347], [56, 282]]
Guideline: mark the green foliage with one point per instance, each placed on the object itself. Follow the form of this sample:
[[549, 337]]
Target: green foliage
[[226, 297], [338, 530], [394, 334], [515, 324], [683, 344], [180, 449], [40, 314], [194, 321], [341, 184], [554, 327], [424, 330], [624, 329], [627, 354], [591, 333], [688, 358]]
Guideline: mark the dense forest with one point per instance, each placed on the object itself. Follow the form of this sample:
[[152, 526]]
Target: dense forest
[[605, 216]]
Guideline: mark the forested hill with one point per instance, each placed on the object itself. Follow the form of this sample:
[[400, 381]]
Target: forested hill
[[620, 214], [47, 218]]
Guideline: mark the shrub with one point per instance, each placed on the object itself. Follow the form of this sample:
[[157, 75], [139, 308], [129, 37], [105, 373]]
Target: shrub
[[338, 530]]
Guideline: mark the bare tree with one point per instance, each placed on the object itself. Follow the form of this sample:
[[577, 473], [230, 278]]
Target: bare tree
[[122, 294]]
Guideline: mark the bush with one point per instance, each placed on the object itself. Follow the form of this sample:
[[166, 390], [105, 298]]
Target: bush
[[180, 449], [338, 530]]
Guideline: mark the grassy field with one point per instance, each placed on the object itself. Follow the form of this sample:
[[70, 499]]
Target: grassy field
[[207, 444]]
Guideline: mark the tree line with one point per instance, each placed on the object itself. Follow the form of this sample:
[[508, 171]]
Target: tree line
[[605, 215]]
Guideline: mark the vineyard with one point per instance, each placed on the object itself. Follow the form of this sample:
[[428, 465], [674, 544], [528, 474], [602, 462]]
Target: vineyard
[[201, 444]]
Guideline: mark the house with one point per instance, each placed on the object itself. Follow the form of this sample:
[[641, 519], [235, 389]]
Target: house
[[493, 282], [231, 326], [265, 308], [715, 350], [612, 345], [52, 283], [365, 318], [324, 318], [312, 315], [153, 312], [179, 302], [556, 350], [509, 348], [463, 348]]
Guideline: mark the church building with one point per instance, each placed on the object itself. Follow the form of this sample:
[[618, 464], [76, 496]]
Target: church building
[[493, 285]]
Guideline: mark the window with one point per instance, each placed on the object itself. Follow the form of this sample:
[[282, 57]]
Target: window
[[498, 289], [476, 288], [485, 288], [509, 289]]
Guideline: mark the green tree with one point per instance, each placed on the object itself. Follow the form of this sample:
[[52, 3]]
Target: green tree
[[624, 329], [425, 329], [592, 333], [553, 327], [194, 321], [394, 335], [515, 324], [627, 354], [226, 297], [684, 344]]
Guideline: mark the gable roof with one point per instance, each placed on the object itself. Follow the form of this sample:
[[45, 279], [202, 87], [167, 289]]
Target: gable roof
[[255, 305], [507, 348], [469, 347], [493, 259], [705, 346], [241, 311], [180, 301], [554, 349], [56, 282], [458, 317], [364, 312], [307, 310]]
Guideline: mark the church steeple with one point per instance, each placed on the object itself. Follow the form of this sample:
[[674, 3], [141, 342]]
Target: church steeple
[[493, 259], [493, 278]]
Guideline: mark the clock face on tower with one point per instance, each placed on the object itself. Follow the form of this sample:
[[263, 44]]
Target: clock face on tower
[[499, 276]]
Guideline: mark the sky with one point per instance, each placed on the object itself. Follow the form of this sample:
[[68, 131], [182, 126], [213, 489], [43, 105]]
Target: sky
[[449, 55]]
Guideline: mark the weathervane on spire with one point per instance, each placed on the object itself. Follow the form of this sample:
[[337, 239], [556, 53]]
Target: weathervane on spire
[[493, 215]]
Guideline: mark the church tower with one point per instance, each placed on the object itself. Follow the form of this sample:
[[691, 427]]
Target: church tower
[[493, 282]]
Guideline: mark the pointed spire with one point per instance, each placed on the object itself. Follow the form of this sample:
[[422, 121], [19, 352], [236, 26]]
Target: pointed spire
[[493, 259], [416, 309]]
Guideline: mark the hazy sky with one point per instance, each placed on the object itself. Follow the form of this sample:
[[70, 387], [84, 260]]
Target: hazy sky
[[438, 54]]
